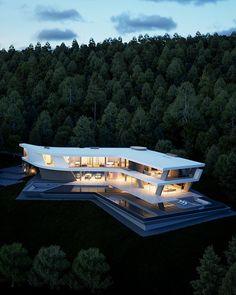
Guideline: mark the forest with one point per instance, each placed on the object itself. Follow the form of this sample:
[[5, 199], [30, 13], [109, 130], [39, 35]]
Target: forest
[[171, 94]]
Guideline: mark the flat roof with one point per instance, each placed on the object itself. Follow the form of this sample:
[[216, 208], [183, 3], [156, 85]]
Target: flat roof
[[143, 156]]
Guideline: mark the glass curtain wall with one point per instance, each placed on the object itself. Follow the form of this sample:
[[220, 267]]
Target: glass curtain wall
[[181, 173], [95, 162]]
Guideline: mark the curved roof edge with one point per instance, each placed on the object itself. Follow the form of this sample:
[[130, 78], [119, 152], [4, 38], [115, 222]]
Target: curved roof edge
[[143, 156]]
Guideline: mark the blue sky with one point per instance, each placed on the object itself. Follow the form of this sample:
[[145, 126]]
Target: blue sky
[[23, 22]]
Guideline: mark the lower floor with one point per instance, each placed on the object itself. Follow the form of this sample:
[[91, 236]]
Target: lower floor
[[149, 192]]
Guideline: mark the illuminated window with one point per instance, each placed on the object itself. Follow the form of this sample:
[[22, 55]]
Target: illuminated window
[[122, 163], [25, 153], [86, 161], [98, 161], [47, 159], [112, 162], [67, 159], [72, 161]]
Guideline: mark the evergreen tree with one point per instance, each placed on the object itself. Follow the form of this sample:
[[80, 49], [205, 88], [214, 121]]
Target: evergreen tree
[[210, 274], [211, 156], [228, 286], [95, 94], [164, 146], [39, 93], [42, 132], [123, 130], [225, 169], [175, 70], [107, 128], [49, 268], [14, 263], [91, 269], [229, 114], [63, 133], [118, 65], [83, 133], [147, 93], [231, 252], [139, 126], [58, 76]]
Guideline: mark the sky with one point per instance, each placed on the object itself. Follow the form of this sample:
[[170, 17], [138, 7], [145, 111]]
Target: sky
[[27, 22]]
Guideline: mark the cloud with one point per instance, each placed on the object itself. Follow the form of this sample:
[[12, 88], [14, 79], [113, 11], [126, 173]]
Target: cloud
[[195, 2], [227, 32], [56, 34], [125, 24], [51, 14]]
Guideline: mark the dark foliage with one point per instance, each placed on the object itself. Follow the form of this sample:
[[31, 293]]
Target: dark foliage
[[149, 91]]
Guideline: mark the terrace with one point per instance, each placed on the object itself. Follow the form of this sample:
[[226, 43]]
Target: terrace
[[142, 217]]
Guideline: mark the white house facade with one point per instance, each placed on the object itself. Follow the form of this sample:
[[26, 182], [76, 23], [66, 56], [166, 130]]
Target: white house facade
[[148, 175]]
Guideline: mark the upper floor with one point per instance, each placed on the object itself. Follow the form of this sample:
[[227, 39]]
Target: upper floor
[[152, 166]]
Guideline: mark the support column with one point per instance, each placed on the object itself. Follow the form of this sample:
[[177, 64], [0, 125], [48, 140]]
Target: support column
[[161, 206], [159, 190], [139, 183], [187, 186], [164, 174]]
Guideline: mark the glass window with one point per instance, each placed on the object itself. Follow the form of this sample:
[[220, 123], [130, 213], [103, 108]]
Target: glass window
[[25, 153], [47, 159], [122, 163], [86, 161], [98, 161], [112, 162], [66, 158], [182, 173], [73, 161]]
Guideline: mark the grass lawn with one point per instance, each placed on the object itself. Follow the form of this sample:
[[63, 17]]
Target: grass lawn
[[162, 264]]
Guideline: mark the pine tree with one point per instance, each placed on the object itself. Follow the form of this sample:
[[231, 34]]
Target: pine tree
[[228, 286], [83, 133], [107, 128], [42, 132], [210, 274], [90, 269], [14, 263], [49, 268], [231, 251]]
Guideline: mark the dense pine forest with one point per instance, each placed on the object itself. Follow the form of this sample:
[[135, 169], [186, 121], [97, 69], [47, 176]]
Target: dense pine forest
[[174, 95]]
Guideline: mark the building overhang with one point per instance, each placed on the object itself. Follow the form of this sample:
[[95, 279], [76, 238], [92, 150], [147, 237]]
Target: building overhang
[[146, 157]]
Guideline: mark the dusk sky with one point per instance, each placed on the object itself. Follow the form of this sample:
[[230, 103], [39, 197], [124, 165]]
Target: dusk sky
[[24, 22]]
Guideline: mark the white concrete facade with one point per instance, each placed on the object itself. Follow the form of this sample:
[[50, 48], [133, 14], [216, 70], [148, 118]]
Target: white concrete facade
[[141, 171]]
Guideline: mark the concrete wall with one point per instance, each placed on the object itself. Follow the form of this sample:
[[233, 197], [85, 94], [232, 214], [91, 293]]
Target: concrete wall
[[57, 175]]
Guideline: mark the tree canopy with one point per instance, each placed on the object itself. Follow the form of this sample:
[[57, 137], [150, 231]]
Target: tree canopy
[[125, 93]]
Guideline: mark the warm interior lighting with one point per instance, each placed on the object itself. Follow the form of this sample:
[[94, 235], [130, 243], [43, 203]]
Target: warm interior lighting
[[86, 161], [47, 159], [149, 187], [66, 158], [33, 171], [25, 153]]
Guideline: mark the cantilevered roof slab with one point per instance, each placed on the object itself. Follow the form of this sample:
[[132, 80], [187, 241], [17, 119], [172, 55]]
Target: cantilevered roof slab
[[145, 157]]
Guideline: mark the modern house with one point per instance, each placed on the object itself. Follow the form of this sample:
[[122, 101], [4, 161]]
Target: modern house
[[134, 182], [149, 175]]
